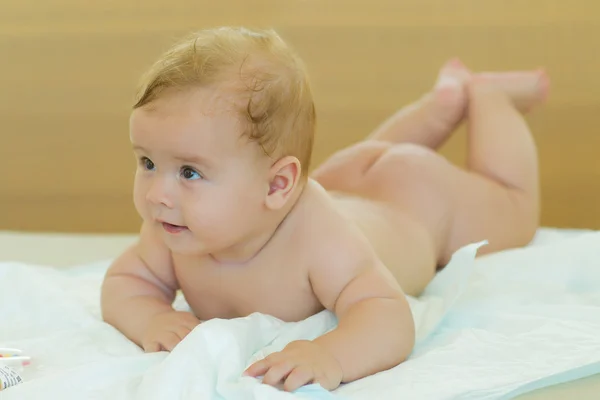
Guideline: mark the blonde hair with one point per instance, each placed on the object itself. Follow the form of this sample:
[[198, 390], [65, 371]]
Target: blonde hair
[[273, 82]]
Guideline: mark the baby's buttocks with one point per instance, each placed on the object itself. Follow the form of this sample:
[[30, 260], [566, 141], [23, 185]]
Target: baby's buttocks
[[230, 291]]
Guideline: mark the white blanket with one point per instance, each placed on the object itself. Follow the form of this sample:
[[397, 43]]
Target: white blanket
[[490, 329]]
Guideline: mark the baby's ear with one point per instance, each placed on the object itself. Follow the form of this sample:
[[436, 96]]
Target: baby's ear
[[284, 176]]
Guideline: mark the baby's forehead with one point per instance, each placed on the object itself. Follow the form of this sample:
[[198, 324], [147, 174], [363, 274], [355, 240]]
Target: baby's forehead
[[202, 109], [208, 115], [207, 101]]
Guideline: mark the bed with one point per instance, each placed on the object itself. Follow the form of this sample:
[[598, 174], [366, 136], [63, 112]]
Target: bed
[[498, 326]]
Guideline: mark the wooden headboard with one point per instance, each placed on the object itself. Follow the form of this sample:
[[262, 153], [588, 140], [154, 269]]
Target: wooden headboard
[[69, 70]]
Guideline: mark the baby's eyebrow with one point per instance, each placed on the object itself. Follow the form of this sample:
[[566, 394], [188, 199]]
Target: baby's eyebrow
[[194, 159], [138, 147], [186, 158]]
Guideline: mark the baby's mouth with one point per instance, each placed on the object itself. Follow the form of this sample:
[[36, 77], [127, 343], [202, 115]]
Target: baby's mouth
[[170, 228]]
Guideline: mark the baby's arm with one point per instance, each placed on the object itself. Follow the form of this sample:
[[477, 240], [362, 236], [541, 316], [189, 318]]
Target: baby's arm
[[138, 292], [375, 326]]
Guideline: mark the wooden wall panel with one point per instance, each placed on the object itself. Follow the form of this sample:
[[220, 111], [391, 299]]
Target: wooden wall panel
[[69, 70]]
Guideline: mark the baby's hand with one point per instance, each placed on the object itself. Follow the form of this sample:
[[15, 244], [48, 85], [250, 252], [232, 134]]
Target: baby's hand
[[167, 329], [299, 363]]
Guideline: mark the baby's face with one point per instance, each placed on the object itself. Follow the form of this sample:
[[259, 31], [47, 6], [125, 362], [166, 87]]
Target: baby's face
[[199, 182]]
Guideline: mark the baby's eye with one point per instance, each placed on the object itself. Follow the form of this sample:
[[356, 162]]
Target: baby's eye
[[147, 163], [190, 174]]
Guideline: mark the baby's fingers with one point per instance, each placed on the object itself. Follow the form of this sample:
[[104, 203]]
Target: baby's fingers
[[169, 340], [192, 323], [299, 377], [189, 321], [182, 332], [261, 367], [278, 372], [258, 368], [151, 347]]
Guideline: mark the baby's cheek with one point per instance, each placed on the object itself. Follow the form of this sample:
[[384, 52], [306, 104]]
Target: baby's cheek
[[139, 202], [210, 219], [140, 208]]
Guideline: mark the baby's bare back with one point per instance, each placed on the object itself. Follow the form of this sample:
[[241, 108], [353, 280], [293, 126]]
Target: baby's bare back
[[401, 241], [416, 208]]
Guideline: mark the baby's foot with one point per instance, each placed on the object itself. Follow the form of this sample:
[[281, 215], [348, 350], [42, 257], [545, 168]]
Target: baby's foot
[[526, 89], [430, 120], [448, 98], [446, 105]]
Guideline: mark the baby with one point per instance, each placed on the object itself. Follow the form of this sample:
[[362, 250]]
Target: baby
[[223, 131]]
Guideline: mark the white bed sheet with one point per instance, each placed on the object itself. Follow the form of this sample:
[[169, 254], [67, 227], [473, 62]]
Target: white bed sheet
[[75, 250]]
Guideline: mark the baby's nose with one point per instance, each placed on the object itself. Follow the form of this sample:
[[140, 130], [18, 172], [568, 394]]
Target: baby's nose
[[159, 193]]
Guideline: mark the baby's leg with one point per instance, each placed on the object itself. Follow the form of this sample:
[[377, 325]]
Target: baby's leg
[[430, 120], [500, 145], [497, 199], [525, 89]]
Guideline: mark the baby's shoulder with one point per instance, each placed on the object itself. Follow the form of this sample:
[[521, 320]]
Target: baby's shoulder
[[326, 235]]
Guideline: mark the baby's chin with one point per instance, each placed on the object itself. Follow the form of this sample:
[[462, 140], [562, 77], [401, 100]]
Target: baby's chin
[[180, 240], [184, 247]]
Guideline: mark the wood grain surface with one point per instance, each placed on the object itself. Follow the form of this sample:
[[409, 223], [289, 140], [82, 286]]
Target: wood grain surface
[[69, 69]]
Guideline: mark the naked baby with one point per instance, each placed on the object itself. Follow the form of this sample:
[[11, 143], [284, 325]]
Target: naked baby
[[222, 131]]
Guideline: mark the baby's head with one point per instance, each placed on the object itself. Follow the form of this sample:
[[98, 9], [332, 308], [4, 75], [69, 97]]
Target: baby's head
[[223, 130]]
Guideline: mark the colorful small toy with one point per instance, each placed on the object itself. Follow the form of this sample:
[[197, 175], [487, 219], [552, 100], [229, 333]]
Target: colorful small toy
[[13, 358], [11, 361]]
